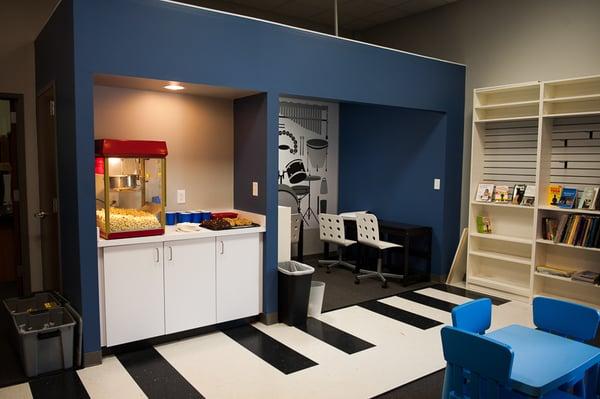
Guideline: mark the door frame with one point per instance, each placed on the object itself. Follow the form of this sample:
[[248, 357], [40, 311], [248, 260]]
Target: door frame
[[51, 86], [24, 269]]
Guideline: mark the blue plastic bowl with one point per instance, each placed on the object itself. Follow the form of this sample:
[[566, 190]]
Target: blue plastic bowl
[[171, 218], [184, 217], [196, 217]]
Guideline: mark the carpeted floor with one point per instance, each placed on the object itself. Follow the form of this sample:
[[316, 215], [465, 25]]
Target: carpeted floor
[[340, 290]]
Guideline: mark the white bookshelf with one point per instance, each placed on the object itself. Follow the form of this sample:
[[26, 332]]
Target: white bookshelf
[[538, 133]]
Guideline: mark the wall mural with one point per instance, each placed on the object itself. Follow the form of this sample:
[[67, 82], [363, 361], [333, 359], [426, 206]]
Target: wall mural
[[308, 163]]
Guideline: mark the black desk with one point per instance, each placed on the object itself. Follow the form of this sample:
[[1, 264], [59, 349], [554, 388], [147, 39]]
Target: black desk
[[416, 242]]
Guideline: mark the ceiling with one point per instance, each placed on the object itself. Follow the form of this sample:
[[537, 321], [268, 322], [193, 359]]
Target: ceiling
[[158, 85], [354, 15], [21, 21]]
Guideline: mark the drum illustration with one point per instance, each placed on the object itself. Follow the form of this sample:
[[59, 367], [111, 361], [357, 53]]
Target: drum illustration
[[295, 171], [317, 152]]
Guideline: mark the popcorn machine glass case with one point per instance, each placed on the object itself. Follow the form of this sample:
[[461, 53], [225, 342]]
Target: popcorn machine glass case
[[130, 188]]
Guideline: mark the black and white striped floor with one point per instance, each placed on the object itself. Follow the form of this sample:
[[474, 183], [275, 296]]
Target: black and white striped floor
[[355, 352]]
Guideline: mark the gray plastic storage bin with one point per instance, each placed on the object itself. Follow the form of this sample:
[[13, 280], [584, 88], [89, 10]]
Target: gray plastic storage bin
[[31, 303], [45, 340]]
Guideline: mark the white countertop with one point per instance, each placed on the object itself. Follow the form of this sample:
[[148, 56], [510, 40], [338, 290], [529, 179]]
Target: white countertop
[[171, 234]]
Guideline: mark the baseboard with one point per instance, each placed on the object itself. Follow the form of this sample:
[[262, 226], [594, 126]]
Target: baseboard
[[269, 318], [92, 358]]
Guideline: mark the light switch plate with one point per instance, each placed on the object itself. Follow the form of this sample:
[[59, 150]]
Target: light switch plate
[[436, 184], [255, 189], [181, 196]]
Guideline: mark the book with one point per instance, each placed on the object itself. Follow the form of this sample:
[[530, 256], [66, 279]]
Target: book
[[549, 228], [555, 271], [560, 231], [587, 276], [529, 195], [501, 194], [568, 198], [484, 225], [484, 192], [518, 193], [554, 193], [588, 198], [576, 230]]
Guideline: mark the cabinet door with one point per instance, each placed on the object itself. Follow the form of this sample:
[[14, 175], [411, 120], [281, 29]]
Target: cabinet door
[[238, 263], [189, 284], [134, 293]]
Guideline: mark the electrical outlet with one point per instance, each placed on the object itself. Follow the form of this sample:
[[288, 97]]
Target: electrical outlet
[[436, 184], [181, 196], [255, 189]]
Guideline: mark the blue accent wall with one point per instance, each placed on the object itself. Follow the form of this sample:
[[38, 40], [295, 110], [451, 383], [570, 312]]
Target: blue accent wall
[[153, 39], [388, 159]]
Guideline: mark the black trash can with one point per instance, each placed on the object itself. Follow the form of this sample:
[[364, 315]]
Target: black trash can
[[294, 289]]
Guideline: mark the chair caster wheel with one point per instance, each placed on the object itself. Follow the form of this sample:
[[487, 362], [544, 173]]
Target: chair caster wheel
[[356, 280], [384, 285]]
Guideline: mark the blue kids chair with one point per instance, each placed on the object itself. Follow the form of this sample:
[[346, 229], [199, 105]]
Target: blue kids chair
[[479, 367], [474, 316], [570, 320]]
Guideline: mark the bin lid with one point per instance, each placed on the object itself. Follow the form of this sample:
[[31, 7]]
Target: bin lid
[[294, 268]]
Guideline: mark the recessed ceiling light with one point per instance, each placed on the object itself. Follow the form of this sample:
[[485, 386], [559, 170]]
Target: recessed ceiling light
[[174, 86]]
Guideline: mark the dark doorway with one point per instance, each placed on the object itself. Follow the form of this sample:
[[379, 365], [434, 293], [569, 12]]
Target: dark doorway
[[47, 168], [14, 249]]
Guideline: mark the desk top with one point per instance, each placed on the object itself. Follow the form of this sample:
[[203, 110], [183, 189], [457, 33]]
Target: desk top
[[543, 361], [385, 224]]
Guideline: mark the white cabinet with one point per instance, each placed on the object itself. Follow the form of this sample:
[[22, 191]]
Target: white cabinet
[[190, 298], [238, 264], [134, 293]]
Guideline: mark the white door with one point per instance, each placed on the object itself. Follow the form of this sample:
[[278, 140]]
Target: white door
[[134, 293], [190, 298], [238, 263]]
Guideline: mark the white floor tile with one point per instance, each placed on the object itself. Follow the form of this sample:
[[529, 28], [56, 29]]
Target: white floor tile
[[21, 391], [109, 380]]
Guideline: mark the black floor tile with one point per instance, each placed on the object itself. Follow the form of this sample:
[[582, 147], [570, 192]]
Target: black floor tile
[[155, 376], [270, 350], [427, 300], [468, 294], [335, 337], [428, 387], [62, 385], [395, 313]]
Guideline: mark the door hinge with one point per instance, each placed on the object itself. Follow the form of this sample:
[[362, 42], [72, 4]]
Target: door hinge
[[13, 117], [52, 108]]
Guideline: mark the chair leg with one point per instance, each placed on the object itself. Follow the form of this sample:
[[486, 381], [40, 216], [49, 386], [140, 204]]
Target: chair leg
[[378, 273], [339, 262]]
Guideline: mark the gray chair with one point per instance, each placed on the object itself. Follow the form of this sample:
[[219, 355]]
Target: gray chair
[[295, 227], [367, 232], [331, 230]]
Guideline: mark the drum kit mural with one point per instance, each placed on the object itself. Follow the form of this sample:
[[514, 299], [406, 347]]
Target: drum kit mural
[[306, 174]]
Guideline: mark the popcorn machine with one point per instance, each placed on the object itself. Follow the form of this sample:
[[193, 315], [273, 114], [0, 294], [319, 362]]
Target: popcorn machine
[[130, 188]]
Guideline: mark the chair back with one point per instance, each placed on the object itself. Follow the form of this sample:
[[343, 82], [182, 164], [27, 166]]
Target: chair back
[[567, 319], [473, 316], [477, 366], [295, 226], [331, 228], [367, 229]]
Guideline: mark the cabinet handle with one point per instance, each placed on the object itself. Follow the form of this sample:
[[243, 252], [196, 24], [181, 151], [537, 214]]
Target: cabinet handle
[[222, 247], [157, 253], [170, 253]]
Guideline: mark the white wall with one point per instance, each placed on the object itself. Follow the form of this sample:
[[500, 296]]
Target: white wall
[[199, 135], [502, 42], [17, 76]]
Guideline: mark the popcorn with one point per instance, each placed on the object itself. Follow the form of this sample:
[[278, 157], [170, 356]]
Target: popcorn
[[127, 220]]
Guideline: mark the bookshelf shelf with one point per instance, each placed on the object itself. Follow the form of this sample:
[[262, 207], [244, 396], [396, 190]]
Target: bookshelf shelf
[[501, 205], [499, 237], [563, 210], [508, 119], [566, 280], [558, 244], [501, 256], [499, 284], [536, 134]]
